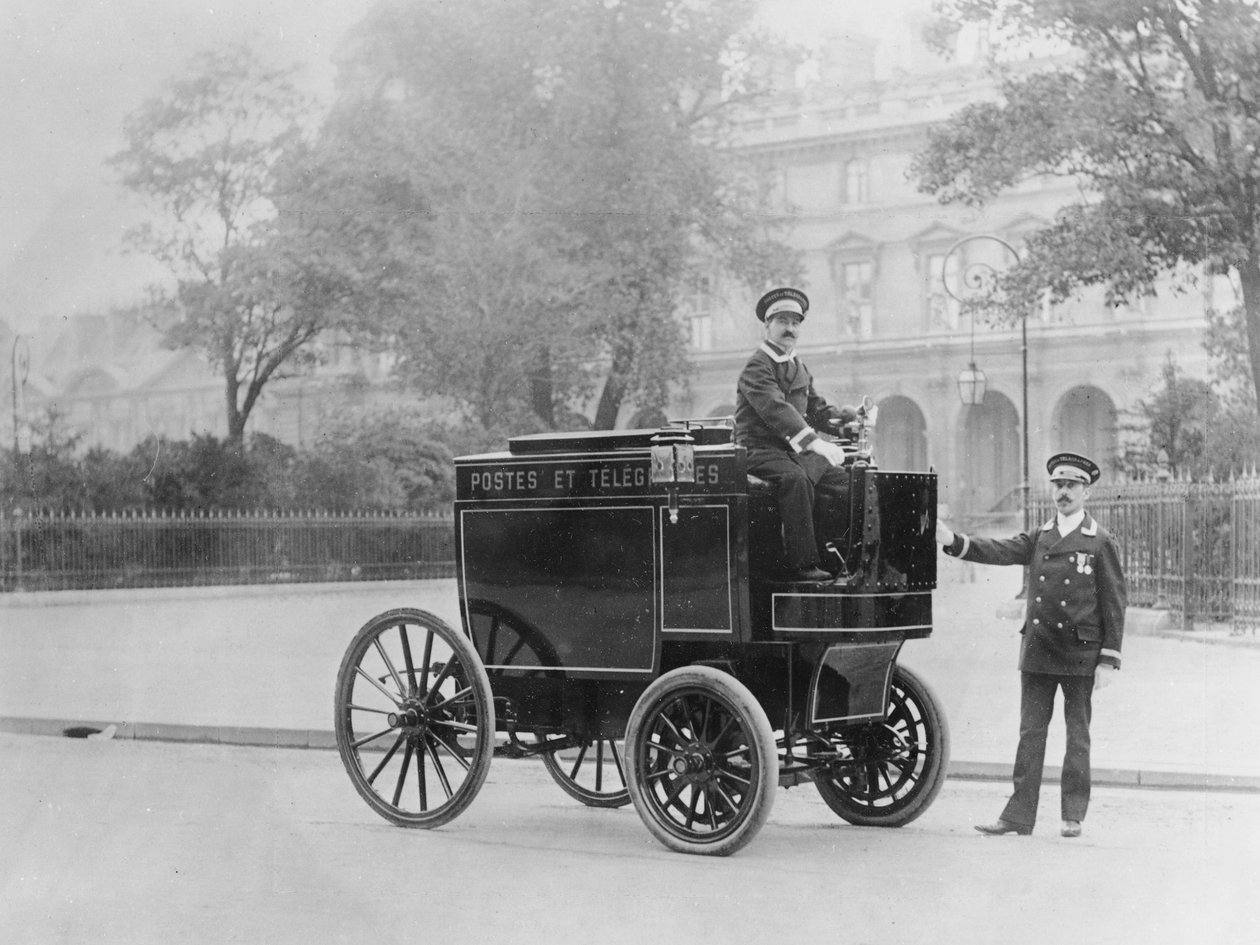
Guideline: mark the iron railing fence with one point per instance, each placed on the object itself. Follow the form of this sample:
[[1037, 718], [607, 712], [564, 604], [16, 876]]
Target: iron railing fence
[[53, 551], [1189, 547]]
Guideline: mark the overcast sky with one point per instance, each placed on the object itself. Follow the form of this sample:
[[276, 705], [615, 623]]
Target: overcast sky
[[72, 70]]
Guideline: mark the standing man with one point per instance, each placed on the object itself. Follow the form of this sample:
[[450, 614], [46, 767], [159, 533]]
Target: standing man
[[1073, 626], [777, 416]]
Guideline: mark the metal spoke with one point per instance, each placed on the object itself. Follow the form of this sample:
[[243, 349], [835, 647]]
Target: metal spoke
[[420, 776], [411, 667], [678, 736], [402, 775], [389, 664], [510, 655], [616, 755], [385, 692], [457, 726], [441, 677], [691, 808], [730, 801], [425, 663], [662, 747], [434, 736], [728, 773], [731, 723], [384, 761], [578, 764], [438, 768], [492, 638], [673, 798], [709, 808], [455, 697], [371, 738]]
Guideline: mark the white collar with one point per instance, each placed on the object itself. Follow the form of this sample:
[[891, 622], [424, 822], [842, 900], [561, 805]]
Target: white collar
[[776, 355], [1069, 524]]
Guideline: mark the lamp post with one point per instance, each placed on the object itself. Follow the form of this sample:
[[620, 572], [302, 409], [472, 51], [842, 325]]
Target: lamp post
[[980, 279]]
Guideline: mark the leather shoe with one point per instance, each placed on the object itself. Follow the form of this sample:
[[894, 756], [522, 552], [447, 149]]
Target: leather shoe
[[812, 575], [1071, 828], [1003, 827]]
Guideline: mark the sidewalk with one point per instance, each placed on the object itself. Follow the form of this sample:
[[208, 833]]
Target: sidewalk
[[257, 664]]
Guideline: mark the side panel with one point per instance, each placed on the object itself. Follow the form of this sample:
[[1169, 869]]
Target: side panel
[[854, 615], [851, 682], [561, 588], [698, 571]]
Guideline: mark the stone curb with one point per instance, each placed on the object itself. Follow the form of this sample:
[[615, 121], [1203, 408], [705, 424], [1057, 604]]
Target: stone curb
[[321, 739]]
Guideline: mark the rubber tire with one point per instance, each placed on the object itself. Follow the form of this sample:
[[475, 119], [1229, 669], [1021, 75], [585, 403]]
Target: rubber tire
[[470, 673], [906, 688], [728, 694]]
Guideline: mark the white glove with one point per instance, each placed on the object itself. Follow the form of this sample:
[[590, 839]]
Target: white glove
[[944, 534], [828, 451], [1104, 673]]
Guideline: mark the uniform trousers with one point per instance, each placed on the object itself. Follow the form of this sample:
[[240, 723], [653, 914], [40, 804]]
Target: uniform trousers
[[810, 492], [1036, 708]]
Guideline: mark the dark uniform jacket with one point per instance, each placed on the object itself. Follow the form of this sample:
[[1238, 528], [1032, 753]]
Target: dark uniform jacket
[[776, 406], [1076, 595]]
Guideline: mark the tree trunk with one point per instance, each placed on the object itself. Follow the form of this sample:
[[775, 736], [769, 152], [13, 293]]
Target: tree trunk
[[611, 398], [235, 418], [542, 398]]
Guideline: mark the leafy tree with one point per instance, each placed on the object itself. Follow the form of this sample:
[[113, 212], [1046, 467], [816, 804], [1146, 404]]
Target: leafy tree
[[1153, 106], [248, 291], [46, 476], [384, 459], [1184, 429], [553, 168]]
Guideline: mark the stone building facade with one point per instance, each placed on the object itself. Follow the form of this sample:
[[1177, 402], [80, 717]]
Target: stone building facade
[[878, 259]]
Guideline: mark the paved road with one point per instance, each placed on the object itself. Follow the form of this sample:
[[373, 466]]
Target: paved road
[[240, 664], [148, 842]]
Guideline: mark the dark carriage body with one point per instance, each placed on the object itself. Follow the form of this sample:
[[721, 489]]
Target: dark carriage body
[[582, 579], [622, 621]]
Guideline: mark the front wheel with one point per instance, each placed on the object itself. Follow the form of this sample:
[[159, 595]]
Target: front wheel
[[891, 771], [414, 718], [703, 765]]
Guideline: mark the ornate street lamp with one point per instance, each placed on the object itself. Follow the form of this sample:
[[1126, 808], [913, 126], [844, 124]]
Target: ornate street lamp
[[980, 281], [971, 385]]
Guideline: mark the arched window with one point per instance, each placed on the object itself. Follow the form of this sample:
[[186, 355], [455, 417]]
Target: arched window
[[989, 460], [900, 435], [1085, 422]]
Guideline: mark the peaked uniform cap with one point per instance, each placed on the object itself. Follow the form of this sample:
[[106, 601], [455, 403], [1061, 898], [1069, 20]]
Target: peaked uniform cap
[[782, 300], [1073, 467]]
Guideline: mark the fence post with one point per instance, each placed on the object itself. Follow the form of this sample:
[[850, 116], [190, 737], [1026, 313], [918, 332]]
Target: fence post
[[17, 546], [1187, 559]]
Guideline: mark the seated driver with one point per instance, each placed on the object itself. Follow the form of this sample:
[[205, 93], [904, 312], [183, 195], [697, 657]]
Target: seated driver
[[777, 418]]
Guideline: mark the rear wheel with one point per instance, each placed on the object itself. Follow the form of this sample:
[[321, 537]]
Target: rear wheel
[[414, 718], [891, 770], [593, 773], [703, 766]]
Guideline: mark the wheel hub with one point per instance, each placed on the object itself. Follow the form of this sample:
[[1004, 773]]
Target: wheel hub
[[695, 762], [411, 715]]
